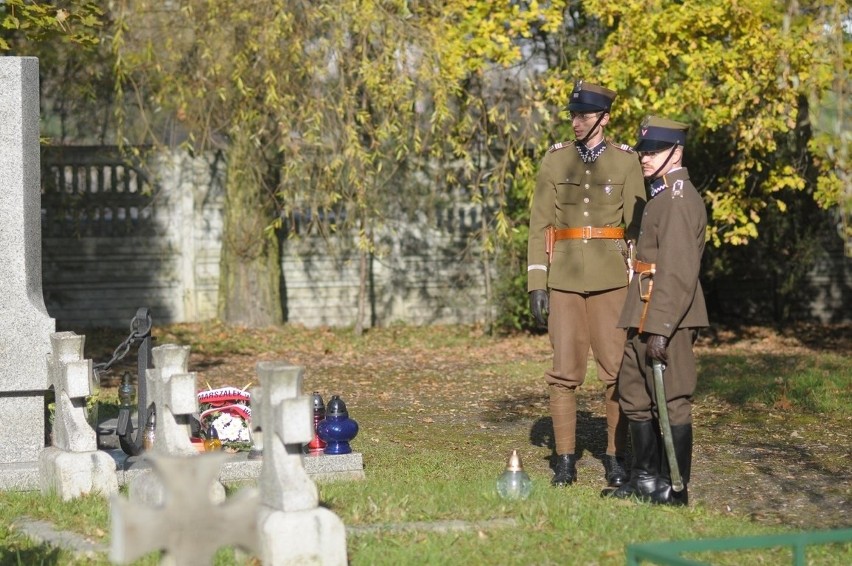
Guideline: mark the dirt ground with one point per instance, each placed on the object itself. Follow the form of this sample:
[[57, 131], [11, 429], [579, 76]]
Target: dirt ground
[[768, 463]]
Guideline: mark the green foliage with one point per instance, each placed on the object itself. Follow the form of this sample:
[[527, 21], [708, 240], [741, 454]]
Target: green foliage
[[742, 74], [22, 22]]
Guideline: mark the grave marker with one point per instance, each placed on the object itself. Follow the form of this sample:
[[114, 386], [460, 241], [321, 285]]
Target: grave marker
[[189, 526], [292, 528], [25, 324], [73, 466], [172, 390]]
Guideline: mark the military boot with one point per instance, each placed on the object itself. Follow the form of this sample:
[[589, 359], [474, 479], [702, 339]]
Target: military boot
[[646, 462], [614, 470], [566, 470], [665, 494]]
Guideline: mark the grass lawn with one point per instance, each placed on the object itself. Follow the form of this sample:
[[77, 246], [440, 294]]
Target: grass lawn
[[440, 409]]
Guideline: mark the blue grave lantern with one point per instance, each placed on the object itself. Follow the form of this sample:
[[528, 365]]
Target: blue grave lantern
[[337, 429]]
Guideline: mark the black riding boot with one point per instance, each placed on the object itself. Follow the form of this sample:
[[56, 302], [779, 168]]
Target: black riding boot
[[566, 470], [646, 462], [665, 494]]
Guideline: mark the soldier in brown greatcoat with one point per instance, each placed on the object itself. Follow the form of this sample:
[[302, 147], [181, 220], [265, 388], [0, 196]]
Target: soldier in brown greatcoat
[[587, 202], [664, 310]]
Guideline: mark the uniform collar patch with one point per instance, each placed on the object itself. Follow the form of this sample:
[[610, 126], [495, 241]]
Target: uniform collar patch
[[590, 154], [658, 186]]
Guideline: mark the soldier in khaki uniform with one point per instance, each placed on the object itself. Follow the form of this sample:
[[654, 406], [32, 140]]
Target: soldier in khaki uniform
[[588, 200], [664, 310]]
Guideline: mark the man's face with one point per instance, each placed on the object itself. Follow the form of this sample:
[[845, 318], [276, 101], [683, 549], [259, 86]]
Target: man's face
[[653, 161], [583, 122]]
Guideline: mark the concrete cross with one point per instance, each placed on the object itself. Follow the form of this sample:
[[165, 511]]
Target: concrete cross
[[71, 377], [189, 527], [286, 418], [172, 390]]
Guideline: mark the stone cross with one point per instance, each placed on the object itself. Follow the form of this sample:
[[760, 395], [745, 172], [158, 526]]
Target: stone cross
[[73, 466], [71, 377], [172, 390], [25, 324], [292, 527], [286, 418], [188, 526]]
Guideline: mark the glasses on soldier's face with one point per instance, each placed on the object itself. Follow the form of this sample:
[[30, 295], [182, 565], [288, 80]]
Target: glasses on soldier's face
[[584, 115]]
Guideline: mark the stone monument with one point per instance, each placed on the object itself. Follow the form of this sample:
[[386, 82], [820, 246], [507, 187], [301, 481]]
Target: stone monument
[[26, 326], [73, 466], [171, 389], [293, 528]]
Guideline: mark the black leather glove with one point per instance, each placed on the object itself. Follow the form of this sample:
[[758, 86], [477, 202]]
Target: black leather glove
[[540, 306], [657, 347]]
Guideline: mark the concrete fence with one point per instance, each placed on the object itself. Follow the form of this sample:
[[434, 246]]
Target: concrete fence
[[119, 234]]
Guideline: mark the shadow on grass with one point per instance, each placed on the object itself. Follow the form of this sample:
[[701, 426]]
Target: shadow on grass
[[591, 436], [789, 473], [41, 555]]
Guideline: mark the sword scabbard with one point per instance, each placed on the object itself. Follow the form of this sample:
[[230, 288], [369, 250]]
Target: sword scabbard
[[665, 426]]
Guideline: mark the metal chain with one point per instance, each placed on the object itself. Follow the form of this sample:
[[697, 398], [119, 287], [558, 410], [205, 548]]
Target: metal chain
[[124, 347]]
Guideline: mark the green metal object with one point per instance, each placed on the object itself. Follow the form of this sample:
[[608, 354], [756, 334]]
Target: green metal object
[[665, 426], [668, 553]]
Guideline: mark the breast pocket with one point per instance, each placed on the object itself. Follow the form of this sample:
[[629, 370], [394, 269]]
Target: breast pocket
[[569, 192]]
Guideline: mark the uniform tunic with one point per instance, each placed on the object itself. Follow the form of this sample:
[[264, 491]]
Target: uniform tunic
[[587, 278], [569, 194], [672, 237]]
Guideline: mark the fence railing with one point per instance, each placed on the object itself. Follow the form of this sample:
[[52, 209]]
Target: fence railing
[[669, 553]]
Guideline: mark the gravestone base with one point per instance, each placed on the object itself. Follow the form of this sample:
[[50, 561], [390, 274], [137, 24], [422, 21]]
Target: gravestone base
[[238, 469], [21, 426], [315, 536], [19, 476], [21, 440], [72, 474], [147, 488]]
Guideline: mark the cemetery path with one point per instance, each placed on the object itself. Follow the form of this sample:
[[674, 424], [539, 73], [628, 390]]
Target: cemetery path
[[765, 460]]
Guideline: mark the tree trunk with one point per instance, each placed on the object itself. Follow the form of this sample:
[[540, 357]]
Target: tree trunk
[[250, 267]]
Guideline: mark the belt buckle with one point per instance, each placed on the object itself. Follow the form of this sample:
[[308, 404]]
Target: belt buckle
[[587, 232]]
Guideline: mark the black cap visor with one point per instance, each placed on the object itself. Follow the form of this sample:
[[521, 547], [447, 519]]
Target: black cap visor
[[652, 145]]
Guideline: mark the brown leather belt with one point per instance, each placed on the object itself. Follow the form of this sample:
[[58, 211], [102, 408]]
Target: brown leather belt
[[643, 267], [588, 233]]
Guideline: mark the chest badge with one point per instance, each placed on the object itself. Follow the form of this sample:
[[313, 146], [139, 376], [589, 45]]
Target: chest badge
[[608, 189]]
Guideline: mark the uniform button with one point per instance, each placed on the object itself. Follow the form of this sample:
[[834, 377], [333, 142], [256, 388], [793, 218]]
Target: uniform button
[[586, 199], [588, 172], [586, 213], [587, 185]]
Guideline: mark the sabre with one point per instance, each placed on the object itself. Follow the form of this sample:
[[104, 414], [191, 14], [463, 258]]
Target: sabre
[[665, 425]]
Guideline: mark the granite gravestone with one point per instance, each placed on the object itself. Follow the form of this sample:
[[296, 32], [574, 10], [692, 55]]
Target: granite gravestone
[[26, 326]]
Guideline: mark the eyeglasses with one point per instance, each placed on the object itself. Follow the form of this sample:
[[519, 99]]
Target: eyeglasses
[[584, 115]]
